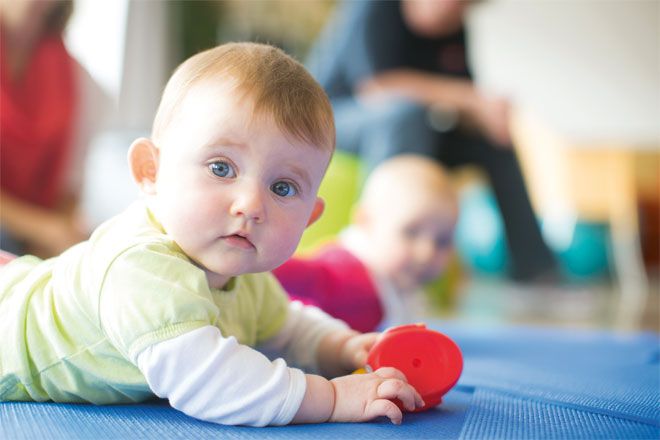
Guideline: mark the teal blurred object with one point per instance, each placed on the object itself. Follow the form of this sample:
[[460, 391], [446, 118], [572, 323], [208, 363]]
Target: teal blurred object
[[581, 248], [585, 256], [480, 238]]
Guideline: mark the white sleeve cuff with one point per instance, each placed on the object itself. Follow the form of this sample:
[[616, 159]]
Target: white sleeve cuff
[[216, 379]]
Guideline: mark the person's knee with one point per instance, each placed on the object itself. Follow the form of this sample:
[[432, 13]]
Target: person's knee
[[401, 114], [391, 112], [401, 127]]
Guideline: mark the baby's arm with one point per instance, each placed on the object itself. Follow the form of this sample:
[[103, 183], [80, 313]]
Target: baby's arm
[[213, 378], [357, 398], [216, 379], [327, 345]]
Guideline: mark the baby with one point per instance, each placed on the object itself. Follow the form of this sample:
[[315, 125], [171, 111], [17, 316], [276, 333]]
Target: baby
[[400, 239], [169, 297]]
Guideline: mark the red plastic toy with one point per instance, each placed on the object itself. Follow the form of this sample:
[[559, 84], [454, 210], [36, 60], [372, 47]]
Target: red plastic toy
[[430, 360]]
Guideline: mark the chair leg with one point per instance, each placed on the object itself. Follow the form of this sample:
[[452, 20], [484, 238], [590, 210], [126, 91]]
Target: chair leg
[[629, 267]]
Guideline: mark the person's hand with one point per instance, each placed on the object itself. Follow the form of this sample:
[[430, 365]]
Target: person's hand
[[491, 117], [353, 353], [362, 397], [395, 83], [342, 352], [389, 82], [57, 232]]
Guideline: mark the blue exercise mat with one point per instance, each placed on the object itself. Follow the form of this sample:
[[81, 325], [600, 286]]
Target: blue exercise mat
[[616, 375], [499, 415], [19, 420], [517, 383]]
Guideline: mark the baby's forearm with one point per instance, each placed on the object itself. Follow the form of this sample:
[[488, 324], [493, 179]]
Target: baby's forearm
[[318, 403], [329, 353]]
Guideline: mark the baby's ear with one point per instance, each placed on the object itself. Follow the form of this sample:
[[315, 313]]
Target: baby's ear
[[143, 162], [319, 207]]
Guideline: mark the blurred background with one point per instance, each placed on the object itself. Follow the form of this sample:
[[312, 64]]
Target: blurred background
[[583, 82]]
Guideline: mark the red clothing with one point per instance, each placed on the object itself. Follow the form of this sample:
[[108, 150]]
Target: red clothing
[[36, 124], [338, 283]]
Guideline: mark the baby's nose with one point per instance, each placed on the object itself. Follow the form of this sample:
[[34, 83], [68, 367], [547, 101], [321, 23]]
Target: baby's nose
[[425, 251], [249, 204]]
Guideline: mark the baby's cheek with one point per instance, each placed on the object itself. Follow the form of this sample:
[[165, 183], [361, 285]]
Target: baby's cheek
[[443, 257], [398, 262], [437, 266], [283, 245]]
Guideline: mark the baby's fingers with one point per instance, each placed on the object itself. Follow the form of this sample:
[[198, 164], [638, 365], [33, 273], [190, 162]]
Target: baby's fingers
[[390, 373], [383, 407], [397, 389], [406, 393]]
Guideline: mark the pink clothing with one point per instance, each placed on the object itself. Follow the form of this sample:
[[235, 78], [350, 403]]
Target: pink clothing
[[338, 283], [5, 257]]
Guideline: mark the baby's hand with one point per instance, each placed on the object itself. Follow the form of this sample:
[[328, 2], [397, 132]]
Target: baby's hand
[[354, 352], [362, 397]]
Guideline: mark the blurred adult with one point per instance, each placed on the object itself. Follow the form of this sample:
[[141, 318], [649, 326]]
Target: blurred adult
[[397, 74], [44, 130]]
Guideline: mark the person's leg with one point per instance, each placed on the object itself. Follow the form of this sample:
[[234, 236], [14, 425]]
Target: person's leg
[[530, 256], [340, 53], [396, 127], [352, 120], [375, 133], [9, 243]]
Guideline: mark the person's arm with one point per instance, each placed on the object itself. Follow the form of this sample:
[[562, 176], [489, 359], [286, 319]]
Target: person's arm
[[329, 347], [489, 114], [357, 398], [49, 231], [314, 339], [353, 45], [423, 87], [310, 339], [215, 379]]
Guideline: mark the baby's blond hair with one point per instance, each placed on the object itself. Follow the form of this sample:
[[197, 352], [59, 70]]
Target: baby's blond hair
[[411, 172], [279, 86]]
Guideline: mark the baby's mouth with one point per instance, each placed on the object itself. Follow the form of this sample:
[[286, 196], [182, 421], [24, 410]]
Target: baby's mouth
[[238, 241]]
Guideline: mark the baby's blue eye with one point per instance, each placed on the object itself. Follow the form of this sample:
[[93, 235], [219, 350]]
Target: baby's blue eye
[[222, 169], [283, 189]]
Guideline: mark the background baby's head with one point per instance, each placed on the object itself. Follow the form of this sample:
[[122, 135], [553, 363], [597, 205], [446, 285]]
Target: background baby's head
[[407, 213]]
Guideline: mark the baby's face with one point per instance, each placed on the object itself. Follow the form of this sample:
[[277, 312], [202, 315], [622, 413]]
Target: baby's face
[[232, 190], [412, 241]]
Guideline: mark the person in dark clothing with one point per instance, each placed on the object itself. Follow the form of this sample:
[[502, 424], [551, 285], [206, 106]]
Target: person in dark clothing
[[398, 78]]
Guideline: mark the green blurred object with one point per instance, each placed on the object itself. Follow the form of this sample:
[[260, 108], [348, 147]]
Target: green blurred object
[[340, 189], [196, 23], [443, 292]]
